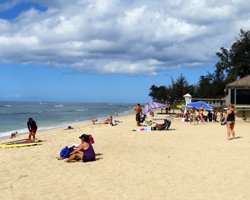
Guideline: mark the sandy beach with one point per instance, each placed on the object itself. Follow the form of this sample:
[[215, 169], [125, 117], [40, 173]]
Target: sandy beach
[[187, 162]]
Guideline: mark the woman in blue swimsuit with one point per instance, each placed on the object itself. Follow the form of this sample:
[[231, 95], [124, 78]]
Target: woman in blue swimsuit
[[84, 151]]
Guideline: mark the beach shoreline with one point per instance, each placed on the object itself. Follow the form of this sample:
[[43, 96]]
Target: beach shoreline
[[49, 115], [60, 126]]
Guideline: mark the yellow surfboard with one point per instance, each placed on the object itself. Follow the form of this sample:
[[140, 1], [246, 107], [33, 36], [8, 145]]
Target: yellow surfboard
[[19, 145], [22, 141]]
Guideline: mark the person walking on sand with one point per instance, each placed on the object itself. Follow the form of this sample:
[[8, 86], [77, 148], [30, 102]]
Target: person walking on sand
[[230, 119], [32, 128], [138, 111]]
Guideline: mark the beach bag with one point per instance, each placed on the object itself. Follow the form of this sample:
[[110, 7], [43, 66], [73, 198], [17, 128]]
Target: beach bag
[[65, 152], [91, 139]]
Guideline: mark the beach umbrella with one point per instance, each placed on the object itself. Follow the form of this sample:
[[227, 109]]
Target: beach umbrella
[[198, 104], [151, 106]]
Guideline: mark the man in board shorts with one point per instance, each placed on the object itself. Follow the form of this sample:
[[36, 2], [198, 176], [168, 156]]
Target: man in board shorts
[[32, 128]]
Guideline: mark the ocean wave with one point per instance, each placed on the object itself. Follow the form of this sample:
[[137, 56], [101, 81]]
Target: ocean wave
[[21, 113], [59, 105], [7, 106], [55, 114], [82, 110]]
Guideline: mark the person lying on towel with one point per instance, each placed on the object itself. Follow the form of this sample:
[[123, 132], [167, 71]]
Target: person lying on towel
[[159, 127]]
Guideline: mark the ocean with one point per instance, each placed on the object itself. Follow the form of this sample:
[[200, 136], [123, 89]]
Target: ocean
[[48, 115]]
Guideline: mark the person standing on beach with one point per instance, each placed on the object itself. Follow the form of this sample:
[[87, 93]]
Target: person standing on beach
[[193, 117], [201, 113], [31, 124], [138, 111], [230, 119]]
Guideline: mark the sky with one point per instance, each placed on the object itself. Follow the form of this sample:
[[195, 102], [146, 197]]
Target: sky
[[110, 50]]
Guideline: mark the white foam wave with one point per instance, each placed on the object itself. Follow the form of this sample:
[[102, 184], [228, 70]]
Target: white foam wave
[[81, 110], [59, 105]]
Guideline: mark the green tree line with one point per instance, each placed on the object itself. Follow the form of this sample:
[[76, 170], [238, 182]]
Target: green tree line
[[233, 64]]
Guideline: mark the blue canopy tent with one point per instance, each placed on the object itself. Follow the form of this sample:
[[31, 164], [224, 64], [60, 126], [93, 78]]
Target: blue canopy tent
[[198, 104]]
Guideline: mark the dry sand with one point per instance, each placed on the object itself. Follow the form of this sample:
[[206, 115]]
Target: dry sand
[[188, 162]]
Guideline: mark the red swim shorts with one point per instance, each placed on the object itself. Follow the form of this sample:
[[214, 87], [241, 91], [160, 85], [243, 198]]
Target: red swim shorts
[[33, 131]]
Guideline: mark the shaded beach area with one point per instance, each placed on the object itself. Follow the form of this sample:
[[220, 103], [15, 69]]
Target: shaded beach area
[[186, 162]]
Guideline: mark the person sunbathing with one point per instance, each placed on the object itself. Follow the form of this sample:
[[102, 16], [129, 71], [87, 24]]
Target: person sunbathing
[[109, 120], [163, 126], [69, 128], [159, 127]]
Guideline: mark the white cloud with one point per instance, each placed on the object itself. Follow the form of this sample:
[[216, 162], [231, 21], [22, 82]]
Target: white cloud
[[115, 36]]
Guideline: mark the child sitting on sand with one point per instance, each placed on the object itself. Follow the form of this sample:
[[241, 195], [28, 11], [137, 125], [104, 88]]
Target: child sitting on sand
[[13, 134]]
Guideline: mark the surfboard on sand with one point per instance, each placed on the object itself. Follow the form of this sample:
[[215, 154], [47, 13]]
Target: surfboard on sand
[[21, 143]]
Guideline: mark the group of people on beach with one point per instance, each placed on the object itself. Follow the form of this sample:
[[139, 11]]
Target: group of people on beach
[[140, 119], [32, 127], [227, 119], [196, 116], [190, 115], [85, 151], [193, 117], [108, 120]]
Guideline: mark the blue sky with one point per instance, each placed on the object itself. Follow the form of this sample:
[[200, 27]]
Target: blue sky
[[110, 50]]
